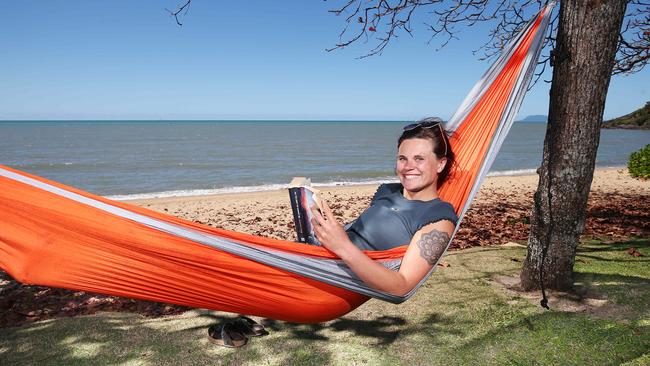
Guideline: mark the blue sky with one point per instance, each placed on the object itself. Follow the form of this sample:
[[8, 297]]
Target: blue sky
[[234, 60]]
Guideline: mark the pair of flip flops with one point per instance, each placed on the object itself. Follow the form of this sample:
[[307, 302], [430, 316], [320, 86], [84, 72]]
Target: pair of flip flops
[[235, 333]]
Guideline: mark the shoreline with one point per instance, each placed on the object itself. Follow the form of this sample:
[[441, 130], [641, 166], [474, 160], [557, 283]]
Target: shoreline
[[527, 178], [279, 187], [272, 188]]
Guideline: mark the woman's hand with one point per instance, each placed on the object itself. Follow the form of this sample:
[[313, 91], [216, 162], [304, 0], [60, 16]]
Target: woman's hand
[[329, 231]]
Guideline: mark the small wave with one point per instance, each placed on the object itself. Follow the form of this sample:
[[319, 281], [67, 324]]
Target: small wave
[[357, 182], [198, 192], [512, 172], [240, 189], [273, 187]]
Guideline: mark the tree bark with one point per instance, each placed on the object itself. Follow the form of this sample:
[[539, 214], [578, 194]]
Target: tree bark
[[583, 61]]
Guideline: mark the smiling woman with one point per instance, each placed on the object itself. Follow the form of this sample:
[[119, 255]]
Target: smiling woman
[[405, 212]]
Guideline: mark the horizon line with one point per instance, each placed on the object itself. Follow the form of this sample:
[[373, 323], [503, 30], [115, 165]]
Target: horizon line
[[225, 120]]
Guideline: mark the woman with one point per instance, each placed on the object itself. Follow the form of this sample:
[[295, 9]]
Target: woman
[[409, 211]]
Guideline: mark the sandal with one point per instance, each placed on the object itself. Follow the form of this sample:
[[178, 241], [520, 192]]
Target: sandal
[[249, 327], [227, 335]]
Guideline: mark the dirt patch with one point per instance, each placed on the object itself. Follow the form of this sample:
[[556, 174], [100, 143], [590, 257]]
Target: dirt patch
[[581, 300]]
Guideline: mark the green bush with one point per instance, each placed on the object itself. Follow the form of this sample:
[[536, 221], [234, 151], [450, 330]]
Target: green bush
[[639, 163]]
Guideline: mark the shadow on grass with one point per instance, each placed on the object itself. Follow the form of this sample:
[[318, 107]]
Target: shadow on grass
[[615, 252], [620, 260], [108, 339], [119, 338], [614, 246], [627, 296], [381, 331], [105, 339], [558, 338]]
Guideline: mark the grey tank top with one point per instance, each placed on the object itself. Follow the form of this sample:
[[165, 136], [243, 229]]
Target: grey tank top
[[392, 220]]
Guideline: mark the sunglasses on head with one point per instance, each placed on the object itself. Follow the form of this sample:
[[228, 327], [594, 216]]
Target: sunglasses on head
[[433, 122]]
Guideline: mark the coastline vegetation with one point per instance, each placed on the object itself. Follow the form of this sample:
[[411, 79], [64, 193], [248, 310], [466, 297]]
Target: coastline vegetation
[[639, 163], [637, 120]]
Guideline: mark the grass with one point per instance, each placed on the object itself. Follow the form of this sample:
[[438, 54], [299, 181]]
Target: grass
[[622, 278], [461, 316]]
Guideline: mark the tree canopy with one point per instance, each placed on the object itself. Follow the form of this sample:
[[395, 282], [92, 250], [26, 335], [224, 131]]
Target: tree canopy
[[379, 22]]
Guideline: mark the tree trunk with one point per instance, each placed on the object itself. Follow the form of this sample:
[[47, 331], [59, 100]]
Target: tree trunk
[[583, 60]]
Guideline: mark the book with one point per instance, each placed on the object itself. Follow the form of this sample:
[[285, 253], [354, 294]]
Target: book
[[303, 197]]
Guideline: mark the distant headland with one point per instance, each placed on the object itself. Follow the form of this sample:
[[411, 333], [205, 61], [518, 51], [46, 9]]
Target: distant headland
[[637, 120], [535, 118]]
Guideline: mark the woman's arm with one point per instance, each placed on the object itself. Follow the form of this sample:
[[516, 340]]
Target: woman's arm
[[427, 245]]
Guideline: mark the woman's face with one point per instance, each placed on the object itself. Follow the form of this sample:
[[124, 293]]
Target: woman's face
[[417, 166]]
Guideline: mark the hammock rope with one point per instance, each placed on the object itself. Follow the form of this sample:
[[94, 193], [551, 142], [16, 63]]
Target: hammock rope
[[59, 236]]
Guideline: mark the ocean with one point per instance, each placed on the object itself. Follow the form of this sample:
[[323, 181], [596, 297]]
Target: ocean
[[146, 159]]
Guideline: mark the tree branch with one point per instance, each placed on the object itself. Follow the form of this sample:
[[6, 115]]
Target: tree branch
[[634, 39], [178, 10], [443, 19]]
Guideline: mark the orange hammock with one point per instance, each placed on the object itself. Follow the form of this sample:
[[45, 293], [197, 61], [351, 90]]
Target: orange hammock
[[59, 236]]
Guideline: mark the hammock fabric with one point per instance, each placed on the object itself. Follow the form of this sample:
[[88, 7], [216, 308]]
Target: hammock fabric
[[59, 236]]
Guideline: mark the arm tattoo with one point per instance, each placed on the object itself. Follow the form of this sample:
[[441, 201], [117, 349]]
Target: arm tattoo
[[432, 245]]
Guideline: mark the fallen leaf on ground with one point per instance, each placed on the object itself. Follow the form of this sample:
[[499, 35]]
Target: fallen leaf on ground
[[633, 252]]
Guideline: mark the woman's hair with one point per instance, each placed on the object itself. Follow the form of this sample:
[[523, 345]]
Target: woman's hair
[[427, 129]]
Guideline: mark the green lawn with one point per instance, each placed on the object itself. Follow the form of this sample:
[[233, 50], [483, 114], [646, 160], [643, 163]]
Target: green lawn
[[461, 316]]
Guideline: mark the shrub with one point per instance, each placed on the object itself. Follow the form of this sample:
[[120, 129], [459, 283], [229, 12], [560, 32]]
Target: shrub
[[639, 163]]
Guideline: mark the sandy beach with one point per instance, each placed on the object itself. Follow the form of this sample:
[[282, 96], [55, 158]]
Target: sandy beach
[[268, 213]]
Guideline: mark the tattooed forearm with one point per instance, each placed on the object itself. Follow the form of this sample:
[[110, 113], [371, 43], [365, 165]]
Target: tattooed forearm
[[432, 245]]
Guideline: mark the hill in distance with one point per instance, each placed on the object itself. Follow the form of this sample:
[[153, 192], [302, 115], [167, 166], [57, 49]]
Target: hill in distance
[[535, 118], [637, 120]]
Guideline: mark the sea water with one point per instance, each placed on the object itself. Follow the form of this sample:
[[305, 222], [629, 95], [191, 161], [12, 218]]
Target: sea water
[[141, 159]]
